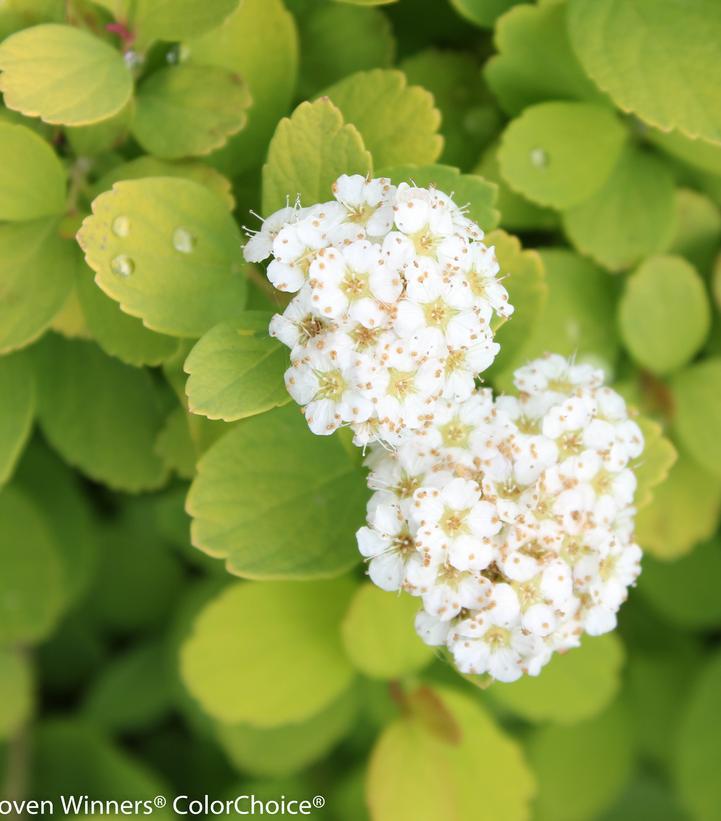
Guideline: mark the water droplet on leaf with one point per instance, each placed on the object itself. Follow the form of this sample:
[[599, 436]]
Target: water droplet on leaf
[[539, 157], [122, 265], [183, 240], [121, 226]]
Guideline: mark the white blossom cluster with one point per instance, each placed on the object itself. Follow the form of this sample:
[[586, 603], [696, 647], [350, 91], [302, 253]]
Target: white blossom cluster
[[510, 518], [395, 293]]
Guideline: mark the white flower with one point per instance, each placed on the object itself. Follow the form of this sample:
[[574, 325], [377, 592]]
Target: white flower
[[403, 274], [520, 510]]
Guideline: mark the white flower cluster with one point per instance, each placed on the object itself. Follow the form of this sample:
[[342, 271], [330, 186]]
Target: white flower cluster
[[395, 293], [511, 519]]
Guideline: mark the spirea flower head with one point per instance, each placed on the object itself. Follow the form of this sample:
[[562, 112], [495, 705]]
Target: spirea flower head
[[394, 296], [510, 519]]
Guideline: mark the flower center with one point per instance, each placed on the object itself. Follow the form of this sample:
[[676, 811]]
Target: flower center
[[455, 434], [453, 522], [330, 385], [401, 383]]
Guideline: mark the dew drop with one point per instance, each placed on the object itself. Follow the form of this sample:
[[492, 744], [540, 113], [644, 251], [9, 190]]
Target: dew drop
[[121, 226], [122, 265], [539, 157], [183, 240]]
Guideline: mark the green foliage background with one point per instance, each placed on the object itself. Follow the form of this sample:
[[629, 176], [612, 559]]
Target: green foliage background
[[182, 608]]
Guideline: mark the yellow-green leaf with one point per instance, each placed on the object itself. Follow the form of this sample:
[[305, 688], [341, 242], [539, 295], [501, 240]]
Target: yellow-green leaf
[[63, 75], [33, 184], [425, 775], [575, 686], [267, 472], [102, 416], [379, 636], [290, 631], [37, 269], [241, 44], [309, 150], [177, 19], [275, 752], [631, 216], [581, 768], [645, 54], [522, 74], [168, 251], [398, 122], [697, 397], [17, 409], [118, 333], [664, 314], [31, 584], [236, 370], [559, 153], [189, 110], [684, 511], [16, 692], [653, 465]]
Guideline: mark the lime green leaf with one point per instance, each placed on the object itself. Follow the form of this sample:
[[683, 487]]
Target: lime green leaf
[[236, 371], [697, 153], [467, 189], [97, 139], [673, 83], [290, 631], [686, 591], [193, 170], [483, 13], [558, 153], [581, 768], [699, 746], [241, 44], [107, 772], [102, 416], [629, 217], [664, 314], [279, 751], [37, 268], [168, 251], [177, 19], [577, 318], [517, 213], [16, 692], [525, 278], [309, 150], [697, 397], [379, 636], [58, 492], [652, 467], [31, 592], [684, 511], [33, 184], [17, 409], [470, 117], [329, 53], [521, 74], [398, 122], [175, 445], [573, 687], [69, 321], [189, 110], [63, 75], [117, 333], [270, 471], [416, 773], [698, 229], [132, 692]]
